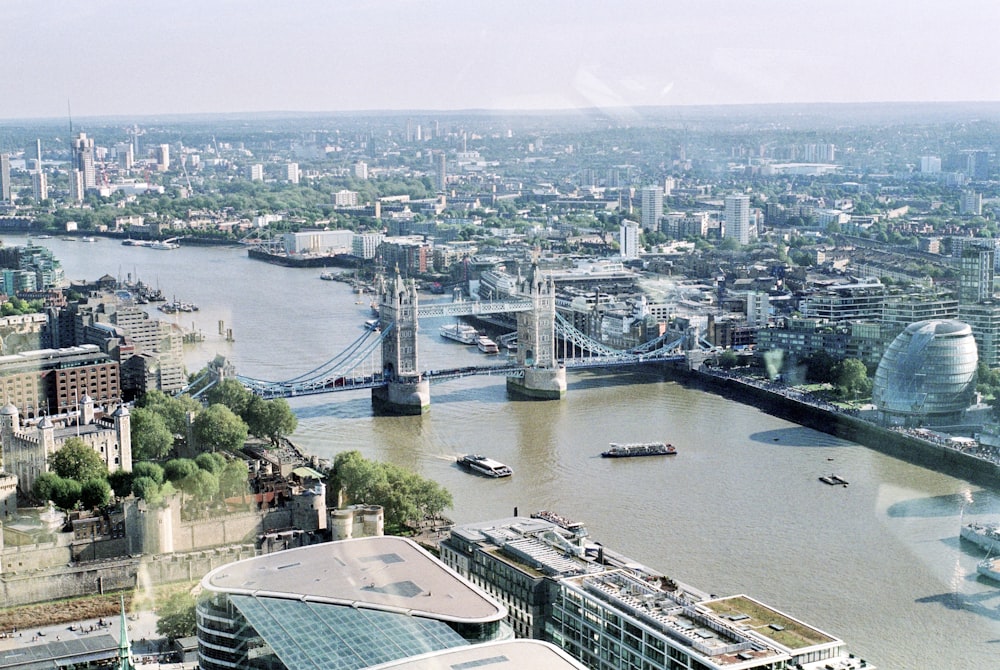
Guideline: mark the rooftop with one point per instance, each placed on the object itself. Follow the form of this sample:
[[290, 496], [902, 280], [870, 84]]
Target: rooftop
[[748, 614], [382, 573], [510, 655]]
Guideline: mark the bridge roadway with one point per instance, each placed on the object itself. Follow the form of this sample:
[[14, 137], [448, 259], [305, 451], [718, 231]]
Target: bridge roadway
[[270, 390], [472, 308]]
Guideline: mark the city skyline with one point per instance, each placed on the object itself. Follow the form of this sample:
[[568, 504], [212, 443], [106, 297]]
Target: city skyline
[[110, 57]]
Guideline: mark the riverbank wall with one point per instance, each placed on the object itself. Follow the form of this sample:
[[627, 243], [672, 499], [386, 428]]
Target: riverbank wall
[[893, 443]]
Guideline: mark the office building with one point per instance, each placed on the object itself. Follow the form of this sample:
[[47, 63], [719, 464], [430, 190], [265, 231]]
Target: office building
[[365, 245], [507, 655], [83, 160], [5, 178], [348, 604], [859, 300], [610, 611], [738, 218], [39, 186], [976, 274], [628, 239], [652, 207]]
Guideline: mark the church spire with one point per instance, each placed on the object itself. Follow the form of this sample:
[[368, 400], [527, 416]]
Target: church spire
[[124, 647]]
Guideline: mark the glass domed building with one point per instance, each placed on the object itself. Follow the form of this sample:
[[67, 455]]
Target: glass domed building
[[927, 376]]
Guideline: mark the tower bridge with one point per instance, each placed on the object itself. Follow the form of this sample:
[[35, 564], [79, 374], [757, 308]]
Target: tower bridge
[[386, 359]]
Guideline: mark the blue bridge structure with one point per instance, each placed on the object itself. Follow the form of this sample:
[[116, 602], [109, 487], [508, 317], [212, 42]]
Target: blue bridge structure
[[385, 358]]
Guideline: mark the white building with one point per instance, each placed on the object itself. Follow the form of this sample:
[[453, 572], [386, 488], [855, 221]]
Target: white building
[[364, 245], [320, 242], [758, 306], [345, 198], [930, 165], [652, 207], [738, 218], [256, 172], [39, 186], [361, 170], [628, 238], [292, 173]]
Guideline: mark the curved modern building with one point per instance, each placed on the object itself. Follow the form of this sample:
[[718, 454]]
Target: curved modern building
[[349, 604], [927, 376]]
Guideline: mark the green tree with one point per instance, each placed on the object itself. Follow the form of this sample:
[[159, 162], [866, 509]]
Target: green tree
[[147, 469], [95, 493], [232, 394], [120, 482], [272, 419], [177, 469], [217, 428], [151, 439], [174, 410], [201, 485], [211, 461], [44, 484], [233, 480], [177, 616], [146, 489], [851, 378], [78, 461], [66, 493]]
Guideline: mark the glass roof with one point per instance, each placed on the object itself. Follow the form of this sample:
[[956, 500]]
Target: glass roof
[[335, 637]]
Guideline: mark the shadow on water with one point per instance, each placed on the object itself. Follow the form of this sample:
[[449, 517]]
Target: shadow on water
[[603, 378], [946, 505], [349, 408], [974, 603], [797, 437]]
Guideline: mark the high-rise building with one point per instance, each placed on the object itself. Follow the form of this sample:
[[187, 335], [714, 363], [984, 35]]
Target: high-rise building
[[256, 172], [162, 157], [738, 218], [628, 239], [39, 186], [125, 155], [975, 274], [361, 170], [971, 203], [76, 189], [292, 173], [652, 207], [83, 159], [5, 177], [442, 174], [930, 165]]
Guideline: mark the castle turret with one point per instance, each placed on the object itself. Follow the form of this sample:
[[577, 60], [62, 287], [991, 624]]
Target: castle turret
[[86, 410], [123, 434]]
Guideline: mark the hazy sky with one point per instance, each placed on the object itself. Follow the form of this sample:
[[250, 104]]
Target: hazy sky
[[178, 56]]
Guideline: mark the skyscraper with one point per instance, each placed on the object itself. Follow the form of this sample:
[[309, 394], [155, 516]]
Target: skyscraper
[[292, 173], [5, 177], [163, 157], [39, 186], [975, 274], [652, 207], [83, 159], [442, 175], [76, 189], [738, 218]]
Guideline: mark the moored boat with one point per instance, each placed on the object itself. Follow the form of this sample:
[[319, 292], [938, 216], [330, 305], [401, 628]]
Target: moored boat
[[833, 480], [485, 466], [616, 450], [327, 276], [373, 324], [487, 346], [983, 535], [990, 568], [460, 332]]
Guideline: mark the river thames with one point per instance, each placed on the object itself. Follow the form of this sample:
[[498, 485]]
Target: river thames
[[738, 510]]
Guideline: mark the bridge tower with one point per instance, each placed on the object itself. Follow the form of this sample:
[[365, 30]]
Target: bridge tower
[[544, 378], [406, 391]]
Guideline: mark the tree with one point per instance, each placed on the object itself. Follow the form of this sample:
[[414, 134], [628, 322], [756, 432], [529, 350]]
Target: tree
[[44, 484], [151, 439], [200, 484], [120, 482], [211, 461], [232, 394], [178, 468], [174, 410], [95, 493], [177, 616], [78, 461], [146, 488], [152, 470], [272, 419], [217, 428], [66, 493], [851, 378], [233, 480]]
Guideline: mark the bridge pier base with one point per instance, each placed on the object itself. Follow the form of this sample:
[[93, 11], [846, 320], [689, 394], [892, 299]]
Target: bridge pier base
[[539, 384], [411, 397]]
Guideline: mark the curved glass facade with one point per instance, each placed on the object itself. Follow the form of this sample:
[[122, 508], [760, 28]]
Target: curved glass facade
[[927, 375]]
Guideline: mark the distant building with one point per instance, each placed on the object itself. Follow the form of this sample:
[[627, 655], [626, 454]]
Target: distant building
[[652, 207], [292, 173], [628, 239], [361, 170], [345, 198], [441, 173], [255, 172], [76, 187], [930, 165], [738, 218], [162, 157], [83, 160], [319, 242], [971, 203], [39, 186], [365, 245], [5, 177], [976, 273]]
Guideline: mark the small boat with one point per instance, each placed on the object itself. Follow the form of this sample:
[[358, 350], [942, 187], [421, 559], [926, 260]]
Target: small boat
[[327, 276], [833, 480], [373, 324], [487, 346], [460, 332], [485, 466], [163, 245], [983, 535], [88, 239], [989, 568], [616, 450]]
